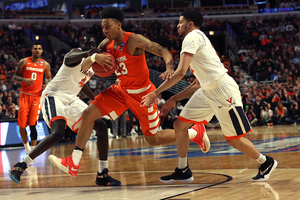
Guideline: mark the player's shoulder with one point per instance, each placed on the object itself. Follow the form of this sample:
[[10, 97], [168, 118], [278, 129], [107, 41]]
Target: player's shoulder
[[46, 63], [23, 61], [193, 34], [102, 46], [134, 37]]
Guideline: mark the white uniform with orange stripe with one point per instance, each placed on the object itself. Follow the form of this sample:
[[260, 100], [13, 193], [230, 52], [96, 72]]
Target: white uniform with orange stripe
[[219, 94], [59, 99]]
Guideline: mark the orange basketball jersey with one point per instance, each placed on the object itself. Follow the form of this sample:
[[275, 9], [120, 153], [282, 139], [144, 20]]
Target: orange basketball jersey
[[34, 71], [131, 70]]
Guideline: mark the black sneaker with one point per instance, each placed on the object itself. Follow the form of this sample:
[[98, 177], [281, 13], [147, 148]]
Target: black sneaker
[[184, 175], [265, 170], [104, 179], [16, 172]]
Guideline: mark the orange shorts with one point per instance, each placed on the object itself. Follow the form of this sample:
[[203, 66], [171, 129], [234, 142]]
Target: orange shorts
[[29, 109], [115, 100]]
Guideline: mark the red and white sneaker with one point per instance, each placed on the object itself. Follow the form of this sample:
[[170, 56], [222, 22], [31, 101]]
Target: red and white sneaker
[[201, 138], [65, 164]]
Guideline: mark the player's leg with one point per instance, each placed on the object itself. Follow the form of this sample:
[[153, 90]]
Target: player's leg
[[33, 136], [23, 119], [103, 178], [81, 118], [182, 172], [53, 113], [34, 112], [89, 116], [106, 103], [150, 121], [228, 108], [190, 114]]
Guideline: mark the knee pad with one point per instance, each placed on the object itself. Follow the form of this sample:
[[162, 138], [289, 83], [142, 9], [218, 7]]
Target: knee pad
[[33, 133]]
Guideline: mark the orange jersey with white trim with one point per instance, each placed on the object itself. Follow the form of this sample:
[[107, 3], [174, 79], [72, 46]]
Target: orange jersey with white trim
[[132, 71], [34, 71]]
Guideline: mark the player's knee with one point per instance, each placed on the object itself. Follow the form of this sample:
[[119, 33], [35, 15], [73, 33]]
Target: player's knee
[[58, 134], [100, 128], [152, 140], [178, 126], [58, 128], [233, 143], [86, 115], [33, 133]]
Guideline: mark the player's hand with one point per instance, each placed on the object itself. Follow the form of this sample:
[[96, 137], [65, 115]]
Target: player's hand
[[92, 51], [168, 74], [170, 103], [28, 81], [149, 99], [105, 61]]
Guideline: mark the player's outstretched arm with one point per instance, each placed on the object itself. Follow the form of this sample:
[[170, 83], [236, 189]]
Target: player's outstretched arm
[[74, 57], [185, 60], [155, 48]]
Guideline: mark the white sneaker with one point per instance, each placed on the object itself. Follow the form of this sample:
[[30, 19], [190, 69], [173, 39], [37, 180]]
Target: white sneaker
[[110, 135], [133, 132], [93, 135]]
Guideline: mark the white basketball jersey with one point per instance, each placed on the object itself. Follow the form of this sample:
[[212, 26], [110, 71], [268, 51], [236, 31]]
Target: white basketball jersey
[[206, 64], [68, 82]]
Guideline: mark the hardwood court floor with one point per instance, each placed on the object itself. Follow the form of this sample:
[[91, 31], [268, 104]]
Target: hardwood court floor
[[222, 173]]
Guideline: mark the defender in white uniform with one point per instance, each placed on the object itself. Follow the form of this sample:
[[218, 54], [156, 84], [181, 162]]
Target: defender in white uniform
[[219, 95], [61, 107], [59, 100]]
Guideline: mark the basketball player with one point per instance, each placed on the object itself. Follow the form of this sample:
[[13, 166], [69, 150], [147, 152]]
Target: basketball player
[[30, 73], [62, 107], [219, 95], [129, 51]]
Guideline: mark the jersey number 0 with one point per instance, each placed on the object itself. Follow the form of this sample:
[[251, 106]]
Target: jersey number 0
[[33, 76]]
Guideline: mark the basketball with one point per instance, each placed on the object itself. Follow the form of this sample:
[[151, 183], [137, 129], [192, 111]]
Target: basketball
[[100, 71]]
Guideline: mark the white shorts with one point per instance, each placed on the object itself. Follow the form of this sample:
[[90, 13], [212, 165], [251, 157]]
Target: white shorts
[[224, 101], [53, 108]]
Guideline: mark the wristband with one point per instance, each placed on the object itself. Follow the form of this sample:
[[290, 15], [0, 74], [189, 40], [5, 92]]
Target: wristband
[[93, 57]]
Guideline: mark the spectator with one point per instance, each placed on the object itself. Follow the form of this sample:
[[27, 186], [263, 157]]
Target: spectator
[[160, 99], [11, 114], [93, 83], [276, 98], [289, 27], [295, 114], [281, 115], [251, 115], [266, 115]]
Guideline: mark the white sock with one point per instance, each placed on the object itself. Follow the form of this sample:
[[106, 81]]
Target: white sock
[[76, 155], [27, 147], [102, 165], [182, 162], [261, 159], [32, 147], [27, 160], [192, 133]]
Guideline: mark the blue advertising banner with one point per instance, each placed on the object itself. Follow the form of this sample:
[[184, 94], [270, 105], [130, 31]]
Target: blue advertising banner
[[10, 132]]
